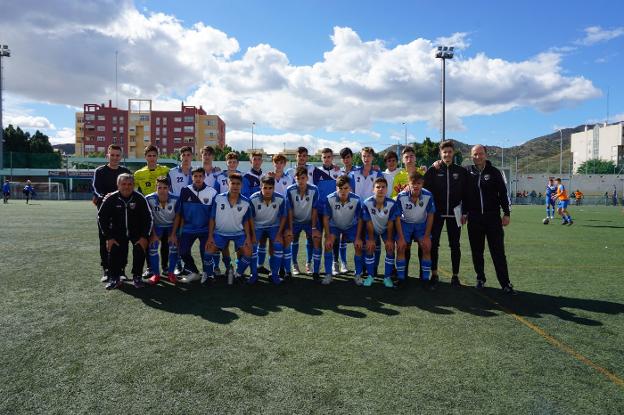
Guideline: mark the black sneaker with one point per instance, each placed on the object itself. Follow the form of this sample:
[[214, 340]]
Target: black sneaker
[[509, 290], [137, 281], [113, 284], [263, 270], [480, 284], [288, 277], [455, 281], [570, 222], [316, 277]]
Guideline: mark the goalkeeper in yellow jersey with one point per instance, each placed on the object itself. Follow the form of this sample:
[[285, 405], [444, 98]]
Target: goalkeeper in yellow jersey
[[145, 178]]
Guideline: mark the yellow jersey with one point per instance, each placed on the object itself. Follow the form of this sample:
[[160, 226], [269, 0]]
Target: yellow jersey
[[145, 179], [401, 180]]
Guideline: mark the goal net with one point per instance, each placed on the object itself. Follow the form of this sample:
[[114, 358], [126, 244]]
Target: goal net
[[42, 190]]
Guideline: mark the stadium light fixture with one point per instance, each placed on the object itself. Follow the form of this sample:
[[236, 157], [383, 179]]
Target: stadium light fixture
[[253, 123], [444, 53], [5, 52]]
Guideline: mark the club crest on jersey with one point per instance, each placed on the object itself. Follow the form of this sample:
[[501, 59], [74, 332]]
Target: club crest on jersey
[[239, 208], [307, 198], [385, 211], [486, 177], [131, 205], [206, 200], [373, 211], [420, 203], [274, 206], [169, 207], [351, 207], [455, 176]]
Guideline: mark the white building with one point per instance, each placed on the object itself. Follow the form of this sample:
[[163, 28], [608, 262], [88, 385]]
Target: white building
[[602, 141]]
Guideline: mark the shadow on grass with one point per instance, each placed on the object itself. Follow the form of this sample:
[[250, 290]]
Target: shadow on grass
[[221, 303], [603, 226]]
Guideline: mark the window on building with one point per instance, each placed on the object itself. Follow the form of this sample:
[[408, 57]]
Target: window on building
[[121, 119], [189, 118], [101, 118], [114, 128], [157, 130], [144, 118], [89, 117], [101, 138], [177, 129], [177, 139], [177, 119], [164, 121], [101, 149], [101, 128], [79, 119], [114, 140], [164, 130], [121, 129], [188, 139], [164, 141], [157, 120], [146, 138], [114, 119], [89, 147], [189, 128], [209, 122]]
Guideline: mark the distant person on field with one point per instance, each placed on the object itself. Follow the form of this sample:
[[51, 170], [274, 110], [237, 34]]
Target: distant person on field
[[28, 191], [551, 189], [125, 218], [564, 201], [578, 195], [6, 191]]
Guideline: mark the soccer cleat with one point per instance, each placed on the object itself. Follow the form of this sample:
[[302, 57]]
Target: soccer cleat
[[308, 267], [104, 278], [295, 269], [206, 279], [288, 277], [146, 274], [565, 222], [252, 280], [480, 285], [112, 284], [172, 278], [570, 222], [192, 277], [368, 281], [263, 270], [388, 282], [230, 275], [343, 268], [508, 289], [276, 280], [137, 282], [335, 268], [123, 277], [358, 280], [316, 277], [217, 272], [455, 281], [327, 280], [154, 279]]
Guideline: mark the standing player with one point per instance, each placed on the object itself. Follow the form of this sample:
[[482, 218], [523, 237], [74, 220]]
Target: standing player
[[231, 220], [270, 214], [414, 223], [391, 159], [207, 154], [145, 177], [563, 202], [164, 207], [181, 176], [251, 179], [6, 191], [28, 191], [282, 182], [342, 219], [105, 182], [551, 190], [379, 213], [303, 201], [193, 217], [325, 179]]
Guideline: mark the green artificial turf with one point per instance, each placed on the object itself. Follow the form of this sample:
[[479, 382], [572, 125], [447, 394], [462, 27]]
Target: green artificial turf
[[68, 346]]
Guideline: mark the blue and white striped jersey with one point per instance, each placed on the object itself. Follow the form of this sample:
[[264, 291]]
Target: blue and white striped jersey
[[251, 182], [411, 212], [179, 180], [363, 185], [195, 206], [302, 205], [230, 219], [380, 217], [268, 215], [283, 182], [221, 183], [343, 215], [163, 215]]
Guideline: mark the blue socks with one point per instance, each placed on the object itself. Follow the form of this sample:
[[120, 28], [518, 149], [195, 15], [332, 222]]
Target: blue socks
[[316, 260], [358, 264], [329, 259], [425, 265], [369, 260], [173, 257], [243, 263], [153, 258], [401, 270], [343, 252], [254, 261], [262, 251], [389, 266], [309, 249], [287, 259], [275, 261]]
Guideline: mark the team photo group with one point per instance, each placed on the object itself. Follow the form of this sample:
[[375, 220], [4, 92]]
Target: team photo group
[[236, 220]]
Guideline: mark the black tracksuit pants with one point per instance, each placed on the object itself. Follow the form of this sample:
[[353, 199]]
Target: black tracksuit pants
[[118, 258], [454, 233], [488, 225]]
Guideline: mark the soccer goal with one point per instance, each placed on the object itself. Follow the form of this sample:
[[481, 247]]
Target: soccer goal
[[42, 190]]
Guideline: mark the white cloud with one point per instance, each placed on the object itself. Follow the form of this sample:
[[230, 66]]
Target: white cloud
[[274, 143], [29, 122], [596, 34], [62, 136], [355, 84]]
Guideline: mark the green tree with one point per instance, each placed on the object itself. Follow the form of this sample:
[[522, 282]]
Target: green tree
[[597, 166], [40, 143], [16, 140]]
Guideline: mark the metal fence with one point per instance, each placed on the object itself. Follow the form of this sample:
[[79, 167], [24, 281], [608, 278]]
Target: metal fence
[[587, 200]]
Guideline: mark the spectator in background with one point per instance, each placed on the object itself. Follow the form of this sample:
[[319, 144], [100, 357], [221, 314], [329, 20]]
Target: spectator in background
[[578, 196]]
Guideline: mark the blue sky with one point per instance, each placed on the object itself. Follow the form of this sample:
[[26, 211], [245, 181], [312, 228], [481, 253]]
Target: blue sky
[[321, 72]]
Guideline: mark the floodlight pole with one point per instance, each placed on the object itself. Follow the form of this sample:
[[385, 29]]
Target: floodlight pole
[[560, 152], [444, 53], [252, 135], [4, 52]]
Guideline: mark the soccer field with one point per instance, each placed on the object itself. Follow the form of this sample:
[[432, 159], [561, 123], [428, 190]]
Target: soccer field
[[69, 346]]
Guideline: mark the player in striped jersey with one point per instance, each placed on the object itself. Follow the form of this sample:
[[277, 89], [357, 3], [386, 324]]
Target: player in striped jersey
[[270, 213], [303, 201], [379, 213], [342, 218], [181, 176], [414, 223], [164, 207], [231, 220]]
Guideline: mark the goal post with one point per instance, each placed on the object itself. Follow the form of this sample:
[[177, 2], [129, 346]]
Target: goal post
[[42, 190]]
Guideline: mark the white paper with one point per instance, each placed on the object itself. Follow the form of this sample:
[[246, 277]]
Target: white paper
[[458, 215]]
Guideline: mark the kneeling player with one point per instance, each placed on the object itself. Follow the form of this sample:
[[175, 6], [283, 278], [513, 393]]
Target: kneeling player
[[270, 214], [231, 220], [416, 209], [379, 214], [342, 218], [193, 216], [164, 207]]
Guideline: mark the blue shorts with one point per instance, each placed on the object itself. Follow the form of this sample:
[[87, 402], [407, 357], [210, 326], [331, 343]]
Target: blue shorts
[[348, 235], [221, 241], [413, 231], [550, 201], [162, 230], [563, 204], [270, 233], [299, 227], [376, 236]]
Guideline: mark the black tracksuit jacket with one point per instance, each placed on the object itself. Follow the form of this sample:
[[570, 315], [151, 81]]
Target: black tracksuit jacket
[[448, 185], [487, 192], [125, 218]]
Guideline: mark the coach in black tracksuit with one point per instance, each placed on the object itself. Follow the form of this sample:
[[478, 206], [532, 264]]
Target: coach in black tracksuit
[[486, 196], [125, 217], [105, 182], [448, 183]]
